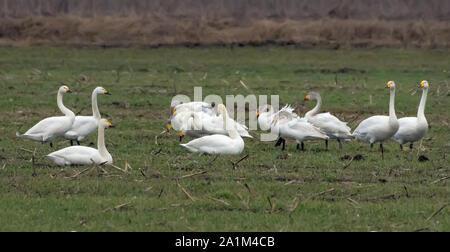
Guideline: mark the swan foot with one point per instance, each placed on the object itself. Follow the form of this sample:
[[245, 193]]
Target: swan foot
[[340, 143], [411, 146], [303, 146], [71, 142], [78, 142], [284, 145], [401, 147], [51, 145]]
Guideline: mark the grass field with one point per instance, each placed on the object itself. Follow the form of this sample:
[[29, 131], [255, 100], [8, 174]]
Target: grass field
[[271, 190]]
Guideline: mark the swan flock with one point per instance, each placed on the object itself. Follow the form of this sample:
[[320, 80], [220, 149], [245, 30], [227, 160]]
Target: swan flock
[[214, 132]]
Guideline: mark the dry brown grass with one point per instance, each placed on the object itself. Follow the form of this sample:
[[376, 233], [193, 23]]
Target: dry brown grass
[[157, 30]]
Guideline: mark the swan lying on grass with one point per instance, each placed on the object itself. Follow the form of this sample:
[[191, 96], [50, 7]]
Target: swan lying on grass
[[231, 144], [82, 155]]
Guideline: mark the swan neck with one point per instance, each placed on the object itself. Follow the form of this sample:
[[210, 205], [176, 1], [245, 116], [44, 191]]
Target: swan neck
[[95, 111], [316, 109], [230, 126], [64, 110], [392, 115], [423, 101], [101, 141]]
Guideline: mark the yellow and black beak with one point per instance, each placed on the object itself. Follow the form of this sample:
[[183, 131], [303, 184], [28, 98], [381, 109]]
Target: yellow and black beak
[[68, 91], [421, 85], [110, 124], [107, 92], [307, 98], [169, 127], [388, 85], [257, 114]]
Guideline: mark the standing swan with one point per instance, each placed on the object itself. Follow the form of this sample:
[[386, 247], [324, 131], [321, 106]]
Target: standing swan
[[379, 128], [82, 155], [52, 127], [84, 125], [219, 144], [288, 125], [328, 123], [412, 129]]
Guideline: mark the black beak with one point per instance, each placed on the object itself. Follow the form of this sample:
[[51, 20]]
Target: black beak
[[69, 91]]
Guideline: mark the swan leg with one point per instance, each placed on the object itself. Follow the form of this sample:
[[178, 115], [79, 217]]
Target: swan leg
[[382, 151], [303, 146], [71, 142], [279, 142], [371, 145], [326, 144], [298, 147], [78, 142], [340, 143], [284, 144], [411, 146], [401, 146], [51, 145]]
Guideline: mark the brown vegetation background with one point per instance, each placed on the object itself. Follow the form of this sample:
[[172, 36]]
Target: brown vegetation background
[[336, 23]]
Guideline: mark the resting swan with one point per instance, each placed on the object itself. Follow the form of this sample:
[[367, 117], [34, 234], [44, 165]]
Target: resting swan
[[412, 129], [84, 125], [379, 128], [288, 125], [82, 155], [219, 144], [52, 127], [197, 123], [326, 122]]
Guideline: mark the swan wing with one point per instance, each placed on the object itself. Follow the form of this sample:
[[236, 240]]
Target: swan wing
[[331, 125], [81, 127], [214, 144], [50, 127], [76, 155]]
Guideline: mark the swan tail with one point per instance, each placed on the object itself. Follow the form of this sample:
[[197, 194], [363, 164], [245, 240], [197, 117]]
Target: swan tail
[[18, 134]]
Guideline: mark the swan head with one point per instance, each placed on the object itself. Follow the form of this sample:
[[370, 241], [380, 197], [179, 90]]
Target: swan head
[[311, 96], [222, 109], [64, 89], [424, 84], [105, 124], [101, 90], [390, 85], [264, 109]]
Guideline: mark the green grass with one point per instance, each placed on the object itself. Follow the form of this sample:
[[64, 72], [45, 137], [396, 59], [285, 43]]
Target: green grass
[[309, 191]]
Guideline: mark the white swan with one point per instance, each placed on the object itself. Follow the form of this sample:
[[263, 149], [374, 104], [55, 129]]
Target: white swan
[[85, 125], [326, 122], [288, 125], [412, 129], [219, 144], [52, 127], [198, 122], [82, 155], [264, 114], [379, 128]]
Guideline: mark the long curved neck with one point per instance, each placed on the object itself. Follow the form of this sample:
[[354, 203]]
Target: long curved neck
[[423, 101], [392, 115], [230, 126], [316, 109], [101, 141], [95, 111], [61, 106]]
